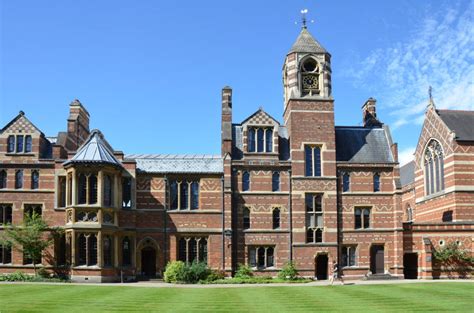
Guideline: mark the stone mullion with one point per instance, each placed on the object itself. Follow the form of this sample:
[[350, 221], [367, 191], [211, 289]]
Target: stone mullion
[[187, 249], [116, 250], [100, 191], [179, 194], [265, 257], [87, 249], [73, 248], [197, 248]]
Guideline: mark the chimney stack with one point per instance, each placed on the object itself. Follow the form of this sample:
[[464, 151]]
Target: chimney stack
[[369, 114], [226, 120], [77, 125]]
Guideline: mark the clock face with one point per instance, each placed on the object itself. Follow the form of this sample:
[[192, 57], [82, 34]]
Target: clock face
[[310, 82]]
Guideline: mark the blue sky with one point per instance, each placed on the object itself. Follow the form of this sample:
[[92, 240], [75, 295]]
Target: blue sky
[[150, 72]]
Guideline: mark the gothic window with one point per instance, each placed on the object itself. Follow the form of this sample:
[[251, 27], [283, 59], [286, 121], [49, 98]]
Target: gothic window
[[69, 188], [346, 182], [34, 180], [192, 249], [251, 139], [28, 143], [348, 256], [276, 218], [19, 179], [309, 77], [3, 179], [92, 250], [314, 218], [261, 257], [126, 192], [276, 181], [409, 214], [92, 180], [246, 218], [362, 218], [82, 250], [107, 250], [32, 209], [87, 249], [82, 189], [11, 144], [312, 160], [260, 139], [376, 182], [184, 195], [61, 191], [126, 252], [245, 181], [19, 143], [5, 254], [5, 214], [108, 190], [433, 168]]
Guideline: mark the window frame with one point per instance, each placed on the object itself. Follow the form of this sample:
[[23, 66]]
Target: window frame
[[246, 181], [260, 139], [193, 249], [361, 219], [314, 213], [349, 256], [254, 256], [6, 214], [3, 179], [246, 218], [35, 179], [276, 180], [19, 179], [313, 161], [183, 191], [276, 218], [376, 182], [346, 182]]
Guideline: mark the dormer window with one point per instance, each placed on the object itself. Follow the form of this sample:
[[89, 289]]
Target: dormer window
[[11, 144], [19, 144], [309, 77], [260, 139]]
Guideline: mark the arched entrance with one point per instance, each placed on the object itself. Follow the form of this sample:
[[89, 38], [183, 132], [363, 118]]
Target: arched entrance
[[321, 267], [148, 261]]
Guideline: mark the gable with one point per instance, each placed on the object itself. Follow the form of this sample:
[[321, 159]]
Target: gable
[[20, 124], [261, 118]]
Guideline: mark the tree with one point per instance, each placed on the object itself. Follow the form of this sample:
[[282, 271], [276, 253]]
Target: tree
[[30, 237]]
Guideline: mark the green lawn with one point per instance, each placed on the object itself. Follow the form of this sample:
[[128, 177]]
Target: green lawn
[[458, 297]]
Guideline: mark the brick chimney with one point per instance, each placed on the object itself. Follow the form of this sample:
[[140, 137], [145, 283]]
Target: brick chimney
[[369, 114], [226, 120], [77, 125]]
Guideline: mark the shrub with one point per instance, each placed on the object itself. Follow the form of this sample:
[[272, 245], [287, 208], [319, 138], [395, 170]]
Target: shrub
[[288, 272], [16, 276], [42, 272], [243, 271], [214, 275], [195, 272], [174, 272]]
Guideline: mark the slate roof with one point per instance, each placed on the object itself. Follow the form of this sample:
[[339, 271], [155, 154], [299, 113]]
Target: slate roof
[[407, 173], [95, 150], [362, 145], [174, 163], [460, 122], [305, 43]]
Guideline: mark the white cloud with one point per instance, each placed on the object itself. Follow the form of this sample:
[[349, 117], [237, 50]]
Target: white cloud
[[406, 155], [439, 53]]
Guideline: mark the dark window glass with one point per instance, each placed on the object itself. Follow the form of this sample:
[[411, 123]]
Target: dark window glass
[[82, 247], [5, 214], [5, 254], [246, 181], [251, 140], [184, 195], [358, 218], [348, 256], [194, 195], [19, 143], [252, 257], [276, 181], [427, 180], [192, 250], [447, 216], [260, 139], [346, 182], [376, 182], [270, 258], [3, 179], [203, 250], [126, 252], [19, 179], [82, 189], [173, 195], [309, 202], [92, 250], [246, 218], [93, 189], [310, 235], [441, 172], [28, 143], [34, 180], [107, 251], [11, 144], [60, 249], [108, 194], [308, 156], [269, 140], [182, 255], [319, 235], [261, 257], [431, 177], [31, 209], [126, 192], [317, 161], [366, 218], [276, 218]]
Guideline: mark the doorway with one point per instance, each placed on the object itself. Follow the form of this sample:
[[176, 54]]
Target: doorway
[[149, 262], [377, 259], [322, 267], [410, 265]]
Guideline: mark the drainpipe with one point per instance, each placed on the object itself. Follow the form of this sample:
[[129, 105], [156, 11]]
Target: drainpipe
[[339, 222], [290, 215], [165, 217], [223, 224]]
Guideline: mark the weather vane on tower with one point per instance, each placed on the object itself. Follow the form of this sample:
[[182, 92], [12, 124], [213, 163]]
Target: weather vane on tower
[[303, 18]]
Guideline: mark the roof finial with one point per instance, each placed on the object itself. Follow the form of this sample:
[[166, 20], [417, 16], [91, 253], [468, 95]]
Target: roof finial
[[430, 94], [303, 17]]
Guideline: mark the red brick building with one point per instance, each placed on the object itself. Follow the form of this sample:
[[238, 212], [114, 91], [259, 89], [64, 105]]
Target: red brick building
[[301, 190]]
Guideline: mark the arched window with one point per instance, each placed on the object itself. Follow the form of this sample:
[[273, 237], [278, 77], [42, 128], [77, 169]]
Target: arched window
[[245, 181], [409, 214], [194, 195], [376, 182], [108, 261], [93, 189], [251, 139], [11, 144], [19, 179], [3, 179], [309, 77], [28, 143], [126, 252], [34, 180], [276, 181], [82, 189], [433, 168], [184, 195], [246, 218], [346, 182], [362, 218], [314, 218], [276, 218]]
